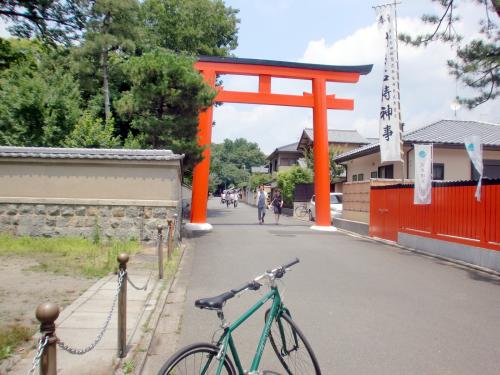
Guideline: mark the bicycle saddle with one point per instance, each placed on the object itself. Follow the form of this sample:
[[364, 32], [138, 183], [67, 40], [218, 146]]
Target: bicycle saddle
[[214, 303]]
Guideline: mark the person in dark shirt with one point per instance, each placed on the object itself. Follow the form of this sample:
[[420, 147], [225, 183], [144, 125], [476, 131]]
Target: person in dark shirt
[[277, 204]]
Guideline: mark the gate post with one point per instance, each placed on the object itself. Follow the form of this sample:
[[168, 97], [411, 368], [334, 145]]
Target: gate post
[[202, 169], [47, 313], [160, 251], [321, 157], [122, 307]]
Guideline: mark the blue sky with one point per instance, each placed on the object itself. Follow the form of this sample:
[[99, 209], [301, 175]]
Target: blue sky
[[341, 33]]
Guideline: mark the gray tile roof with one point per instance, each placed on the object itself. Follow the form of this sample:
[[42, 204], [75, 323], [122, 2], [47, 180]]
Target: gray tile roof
[[340, 136], [452, 132], [292, 147], [364, 150], [87, 153]]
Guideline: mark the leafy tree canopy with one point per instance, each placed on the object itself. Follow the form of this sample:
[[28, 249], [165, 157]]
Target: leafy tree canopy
[[478, 60], [336, 170], [231, 162], [164, 100], [96, 72], [39, 101], [288, 179], [55, 21], [201, 27]]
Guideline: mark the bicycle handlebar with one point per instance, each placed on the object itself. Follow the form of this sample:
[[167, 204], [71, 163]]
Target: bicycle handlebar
[[277, 273], [292, 263]]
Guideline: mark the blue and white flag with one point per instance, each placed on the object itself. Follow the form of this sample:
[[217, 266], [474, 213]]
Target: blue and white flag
[[475, 151], [423, 175], [390, 114]]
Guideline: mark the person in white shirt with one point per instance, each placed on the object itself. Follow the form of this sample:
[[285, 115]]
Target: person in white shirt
[[261, 202], [236, 196]]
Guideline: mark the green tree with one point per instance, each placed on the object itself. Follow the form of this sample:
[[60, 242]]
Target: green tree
[[478, 61], [258, 179], [336, 170], [55, 21], [164, 101], [231, 162], [288, 179], [202, 27], [90, 132], [39, 101], [112, 27]]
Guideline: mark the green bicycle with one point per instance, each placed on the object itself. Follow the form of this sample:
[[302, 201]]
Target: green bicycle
[[287, 340]]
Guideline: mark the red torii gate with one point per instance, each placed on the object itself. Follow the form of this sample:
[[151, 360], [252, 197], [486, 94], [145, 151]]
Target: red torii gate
[[318, 101]]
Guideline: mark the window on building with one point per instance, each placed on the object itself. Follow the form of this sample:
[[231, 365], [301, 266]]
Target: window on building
[[361, 177], [438, 171], [491, 169], [387, 171], [355, 177], [373, 174]]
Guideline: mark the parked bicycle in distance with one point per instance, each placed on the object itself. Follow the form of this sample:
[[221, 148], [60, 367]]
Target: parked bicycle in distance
[[287, 340], [301, 210]]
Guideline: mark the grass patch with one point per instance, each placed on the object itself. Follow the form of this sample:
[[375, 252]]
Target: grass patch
[[68, 255], [169, 267], [11, 337]]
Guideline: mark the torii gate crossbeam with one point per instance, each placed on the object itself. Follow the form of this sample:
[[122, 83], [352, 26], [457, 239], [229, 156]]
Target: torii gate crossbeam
[[319, 75]]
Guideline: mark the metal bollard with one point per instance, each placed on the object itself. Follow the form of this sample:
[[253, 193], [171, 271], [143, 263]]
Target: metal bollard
[[170, 244], [160, 251], [47, 313], [122, 308]]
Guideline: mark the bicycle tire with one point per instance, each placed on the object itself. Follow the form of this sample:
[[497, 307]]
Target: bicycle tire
[[300, 211], [294, 360], [191, 358]]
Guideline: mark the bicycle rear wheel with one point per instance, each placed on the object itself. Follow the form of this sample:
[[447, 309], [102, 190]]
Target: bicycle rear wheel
[[300, 211], [196, 359], [292, 348]]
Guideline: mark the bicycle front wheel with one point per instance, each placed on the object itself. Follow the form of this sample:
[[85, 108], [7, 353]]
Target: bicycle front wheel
[[196, 359], [292, 348]]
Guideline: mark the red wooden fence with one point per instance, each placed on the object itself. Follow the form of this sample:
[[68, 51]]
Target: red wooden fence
[[454, 214]]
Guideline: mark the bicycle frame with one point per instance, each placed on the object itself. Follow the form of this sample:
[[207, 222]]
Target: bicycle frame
[[226, 340]]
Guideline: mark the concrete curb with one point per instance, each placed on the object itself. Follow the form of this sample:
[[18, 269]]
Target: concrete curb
[[423, 253], [138, 354]]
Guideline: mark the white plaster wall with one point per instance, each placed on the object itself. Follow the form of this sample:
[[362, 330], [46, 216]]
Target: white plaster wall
[[370, 163], [456, 162], [90, 179]]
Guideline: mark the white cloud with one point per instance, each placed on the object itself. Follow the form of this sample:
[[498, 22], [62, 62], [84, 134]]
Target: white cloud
[[427, 89]]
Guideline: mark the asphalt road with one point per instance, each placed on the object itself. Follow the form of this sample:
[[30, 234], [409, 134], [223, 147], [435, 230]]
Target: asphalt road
[[366, 307]]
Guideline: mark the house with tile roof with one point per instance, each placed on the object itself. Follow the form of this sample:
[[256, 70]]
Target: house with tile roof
[[450, 159], [342, 140], [284, 157]]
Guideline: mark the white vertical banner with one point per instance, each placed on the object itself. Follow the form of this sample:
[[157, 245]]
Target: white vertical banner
[[390, 114], [423, 174], [475, 151]]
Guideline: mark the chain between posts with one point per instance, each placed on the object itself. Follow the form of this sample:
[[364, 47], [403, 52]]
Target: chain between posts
[[145, 287], [39, 352], [87, 349]]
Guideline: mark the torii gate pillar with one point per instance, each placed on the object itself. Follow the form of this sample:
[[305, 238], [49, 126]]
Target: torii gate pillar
[[318, 101], [321, 156], [201, 171]]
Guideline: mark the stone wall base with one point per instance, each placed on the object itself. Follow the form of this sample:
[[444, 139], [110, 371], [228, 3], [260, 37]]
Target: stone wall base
[[470, 254], [107, 222]]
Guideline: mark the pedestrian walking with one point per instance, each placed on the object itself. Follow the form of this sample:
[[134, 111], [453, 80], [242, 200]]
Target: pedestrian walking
[[261, 201], [277, 204], [236, 197]]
